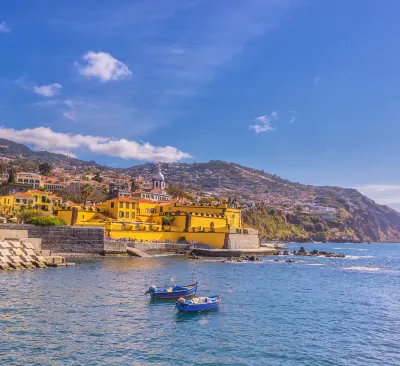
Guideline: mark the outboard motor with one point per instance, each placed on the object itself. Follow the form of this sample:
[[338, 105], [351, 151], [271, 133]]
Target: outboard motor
[[151, 290]]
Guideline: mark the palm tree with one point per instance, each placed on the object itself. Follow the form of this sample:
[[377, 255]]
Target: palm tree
[[86, 192]]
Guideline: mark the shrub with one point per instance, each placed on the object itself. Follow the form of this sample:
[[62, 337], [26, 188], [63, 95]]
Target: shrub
[[45, 221], [26, 214], [168, 219]]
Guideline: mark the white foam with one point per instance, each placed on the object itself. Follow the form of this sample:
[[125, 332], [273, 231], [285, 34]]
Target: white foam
[[369, 269], [359, 249], [358, 256], [315, 264]]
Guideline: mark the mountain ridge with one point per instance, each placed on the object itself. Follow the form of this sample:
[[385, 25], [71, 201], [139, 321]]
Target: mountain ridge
[[357, 218]]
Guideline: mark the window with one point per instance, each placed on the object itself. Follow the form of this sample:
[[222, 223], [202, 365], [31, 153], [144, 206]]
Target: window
[[147, 210], [43, 199], [112, 204], [127, 205], [121, 214], [26, 180], [133, 215], [121, 205], [18, 200], [127, 215], [20, 180], [156, 184], [133, 205]]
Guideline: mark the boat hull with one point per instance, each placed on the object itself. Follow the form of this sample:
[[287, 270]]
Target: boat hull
[[175, 295], [189, 307]]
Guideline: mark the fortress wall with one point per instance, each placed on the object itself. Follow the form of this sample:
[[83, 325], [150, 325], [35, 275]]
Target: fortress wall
[[242, 241], [64, 239]]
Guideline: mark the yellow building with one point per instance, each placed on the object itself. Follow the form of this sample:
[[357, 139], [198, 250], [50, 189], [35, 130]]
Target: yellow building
[[149, 220], [34, 198], [144, 220]]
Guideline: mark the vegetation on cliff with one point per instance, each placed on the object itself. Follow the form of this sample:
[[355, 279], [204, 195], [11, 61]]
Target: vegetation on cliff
[[347, 226]]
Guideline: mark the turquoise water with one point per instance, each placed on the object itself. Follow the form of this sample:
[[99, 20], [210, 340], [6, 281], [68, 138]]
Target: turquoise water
[[319, 312]]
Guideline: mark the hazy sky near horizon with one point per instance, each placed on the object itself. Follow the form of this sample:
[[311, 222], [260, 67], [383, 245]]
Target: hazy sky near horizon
[[306, 89]]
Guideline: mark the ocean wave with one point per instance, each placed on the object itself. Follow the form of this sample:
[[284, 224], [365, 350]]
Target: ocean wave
[[359, 256], [360, 249], [315, 264], [369, 269]]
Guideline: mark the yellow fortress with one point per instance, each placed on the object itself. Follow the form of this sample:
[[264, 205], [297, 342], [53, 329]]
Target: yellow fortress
[[144, 220]]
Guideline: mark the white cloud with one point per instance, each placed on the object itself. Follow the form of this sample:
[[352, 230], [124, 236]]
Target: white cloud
[[48, 90], [46, 139], [4, 28], [385, 194], [103, 66], [264, 123], [292, 120], [64, 152], [70, 115]]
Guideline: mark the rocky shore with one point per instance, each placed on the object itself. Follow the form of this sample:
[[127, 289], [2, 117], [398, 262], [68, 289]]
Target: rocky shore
[[247, 258], [314, 253]]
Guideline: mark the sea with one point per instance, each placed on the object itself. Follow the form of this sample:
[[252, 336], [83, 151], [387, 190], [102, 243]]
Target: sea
[[316, 311]]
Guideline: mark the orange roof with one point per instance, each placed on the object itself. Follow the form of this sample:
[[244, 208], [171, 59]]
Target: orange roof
[[125, 199], [164, 203], [23, 194], [36, 191]]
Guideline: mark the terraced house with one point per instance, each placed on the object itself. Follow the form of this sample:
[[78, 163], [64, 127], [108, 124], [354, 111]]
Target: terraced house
[[32, 179]]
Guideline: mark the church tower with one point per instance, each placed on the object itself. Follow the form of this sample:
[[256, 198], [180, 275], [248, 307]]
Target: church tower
[[158, 179]]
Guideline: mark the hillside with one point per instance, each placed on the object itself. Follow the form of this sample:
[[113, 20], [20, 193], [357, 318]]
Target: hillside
[[12, 149], [278, 208]]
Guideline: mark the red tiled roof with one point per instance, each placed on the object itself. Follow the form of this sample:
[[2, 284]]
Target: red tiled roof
[[23, 194], [125, 199], [36, 191]]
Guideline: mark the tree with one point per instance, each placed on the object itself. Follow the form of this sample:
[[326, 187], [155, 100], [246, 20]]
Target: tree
[[98, 178], [298, 209], [207, 200], [11, 176], [86, 192], [45, 168], [134, 186]]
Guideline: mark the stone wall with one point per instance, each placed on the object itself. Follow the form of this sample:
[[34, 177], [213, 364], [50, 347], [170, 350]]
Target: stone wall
[[247, 240], [64, 239], [160, 247], [114, 247]]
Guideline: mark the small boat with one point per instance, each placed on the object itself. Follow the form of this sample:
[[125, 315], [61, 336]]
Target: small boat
[[198, 303], [175, 292]]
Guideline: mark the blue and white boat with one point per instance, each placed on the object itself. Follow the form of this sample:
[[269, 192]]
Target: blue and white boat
[[198, 303], [174, 292]]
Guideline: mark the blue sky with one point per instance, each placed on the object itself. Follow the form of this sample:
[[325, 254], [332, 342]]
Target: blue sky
[[307, 90]]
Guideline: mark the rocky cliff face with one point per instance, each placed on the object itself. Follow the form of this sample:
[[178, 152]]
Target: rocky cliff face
[[366, 222]]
